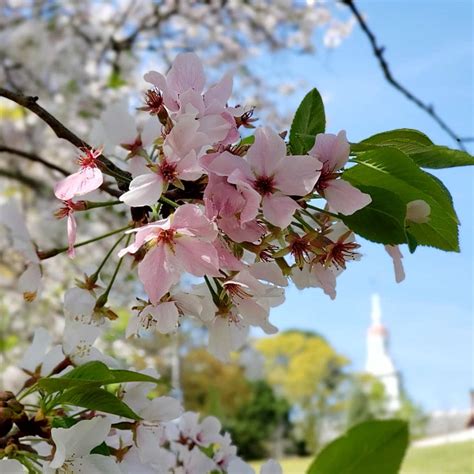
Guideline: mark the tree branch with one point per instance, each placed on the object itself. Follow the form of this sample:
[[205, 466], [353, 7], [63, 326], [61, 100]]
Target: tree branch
[[33, 157], [379, 54], [122, 178], [106, 187]]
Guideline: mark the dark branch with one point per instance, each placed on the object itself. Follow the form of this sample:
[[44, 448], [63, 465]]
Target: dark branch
[[106, 187], [33, 157], [123, 178], [379, 54], [32, 183]]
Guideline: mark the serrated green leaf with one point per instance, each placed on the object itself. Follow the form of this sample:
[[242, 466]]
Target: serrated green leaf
[[123, 376], [373, 447], [418, 146], [309, 120], [396, 172], [383, 220], [97, 399], [92, 374]]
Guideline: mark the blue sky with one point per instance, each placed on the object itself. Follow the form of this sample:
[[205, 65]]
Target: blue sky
[[430, 315]]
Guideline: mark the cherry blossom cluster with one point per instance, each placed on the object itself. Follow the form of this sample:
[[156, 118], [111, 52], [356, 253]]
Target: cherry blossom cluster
[[40, 434], [236, 211]]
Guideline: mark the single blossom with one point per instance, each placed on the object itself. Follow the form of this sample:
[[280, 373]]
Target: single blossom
[[164, 316], [233, 209], [179, 162], [180, 243], [269, 176], [74, 446], [87, 179], [68, 210], [117, 127], [182, 92], [333, 152]]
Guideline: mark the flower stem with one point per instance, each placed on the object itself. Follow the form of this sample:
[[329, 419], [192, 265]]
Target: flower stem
[[323, 211], [45, 254], [171, 203], [94, 205], [102, 299], [95, 275]]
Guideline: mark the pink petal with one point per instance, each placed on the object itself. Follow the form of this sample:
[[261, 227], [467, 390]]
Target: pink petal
[[331, 150], [217, 95], [297, 175], [188, 168], [324, 278], [227, 260], [166, 315], [144, 190], [225, 164], [215, 127], [186, 73], [344, 198], [394, 252], [279, 209], [191, 217], [156, 78], [197, 257], [77, 184], [267, 151], [71, 234], [250, 231], [158, 272]]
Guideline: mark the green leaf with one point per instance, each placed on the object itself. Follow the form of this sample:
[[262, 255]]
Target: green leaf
[[373, 447], [437, 157], [98, 399], [248, 140], [309, 120], [115, 80], [123, 376], [101, 449], [383, 220], [394, 171], [411, 241], [92, 374], [418, 146]]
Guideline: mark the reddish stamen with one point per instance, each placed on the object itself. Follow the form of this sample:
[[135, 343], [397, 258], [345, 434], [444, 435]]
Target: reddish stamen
[[264, 185], [168, 171]]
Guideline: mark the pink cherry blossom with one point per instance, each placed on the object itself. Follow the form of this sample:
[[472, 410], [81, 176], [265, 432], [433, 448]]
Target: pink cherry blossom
[[87, 179], [182, 93], [180, 243], [233, 209], [269, 176], [68, 211], [396, 255], [333, 152], [179, 162]]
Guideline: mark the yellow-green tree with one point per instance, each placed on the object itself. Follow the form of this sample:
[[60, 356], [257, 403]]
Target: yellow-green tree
[[308, 372]]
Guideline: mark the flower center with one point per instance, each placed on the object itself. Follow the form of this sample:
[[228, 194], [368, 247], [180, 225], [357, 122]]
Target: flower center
[[88, 158], [166, 236], [153, 101], [264, 185], [168, 171]]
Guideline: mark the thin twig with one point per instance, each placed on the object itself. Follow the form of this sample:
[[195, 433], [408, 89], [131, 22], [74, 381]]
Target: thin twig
[[123, 178], [379, 54], [33, 157]]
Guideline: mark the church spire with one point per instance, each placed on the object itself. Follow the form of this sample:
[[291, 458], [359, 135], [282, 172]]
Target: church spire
[[379, 363]]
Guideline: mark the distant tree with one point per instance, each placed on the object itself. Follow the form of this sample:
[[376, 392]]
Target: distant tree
[[264, 418], [304, 368]]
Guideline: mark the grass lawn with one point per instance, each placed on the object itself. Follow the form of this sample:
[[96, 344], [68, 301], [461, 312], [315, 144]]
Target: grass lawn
[[456, 458]]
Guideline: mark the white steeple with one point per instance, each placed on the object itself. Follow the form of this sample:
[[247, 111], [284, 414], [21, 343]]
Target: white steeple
[[379, 362]]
